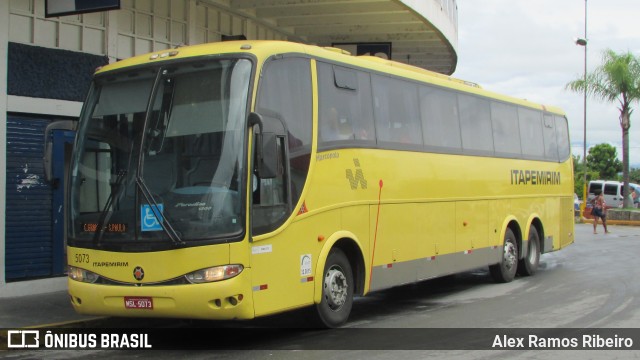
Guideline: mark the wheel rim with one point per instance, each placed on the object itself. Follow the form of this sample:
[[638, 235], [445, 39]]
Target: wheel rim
[[510, 256], [335, 288], [533, 251]]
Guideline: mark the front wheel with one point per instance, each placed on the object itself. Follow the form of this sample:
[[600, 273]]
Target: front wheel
[[529, 264], [505, 270], [337, 291]]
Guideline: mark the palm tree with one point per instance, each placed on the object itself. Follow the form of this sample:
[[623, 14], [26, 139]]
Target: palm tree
[[618, 78]]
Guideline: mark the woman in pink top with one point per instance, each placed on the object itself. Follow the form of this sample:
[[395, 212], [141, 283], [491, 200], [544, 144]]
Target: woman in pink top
[[599, 211]]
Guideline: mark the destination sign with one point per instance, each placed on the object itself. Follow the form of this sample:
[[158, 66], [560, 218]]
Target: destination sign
[[110, 228]]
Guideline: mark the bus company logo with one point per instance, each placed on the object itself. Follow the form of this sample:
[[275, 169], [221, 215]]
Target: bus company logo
[[358, 179], [22, 339], [535, 177], [138, 273]]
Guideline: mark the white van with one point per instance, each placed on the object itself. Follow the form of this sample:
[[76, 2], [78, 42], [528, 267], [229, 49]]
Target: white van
[[612, 191]]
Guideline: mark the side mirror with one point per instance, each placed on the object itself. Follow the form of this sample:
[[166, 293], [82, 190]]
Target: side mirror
[[266, 148], [255, 119], [48, 144], [268, 163]]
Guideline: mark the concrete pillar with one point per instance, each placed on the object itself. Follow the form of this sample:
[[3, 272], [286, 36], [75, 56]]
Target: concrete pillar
[[192, 12], [4, 45], [112, 36]]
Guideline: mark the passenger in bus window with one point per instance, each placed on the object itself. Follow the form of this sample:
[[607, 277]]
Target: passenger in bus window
[[335, 127], [361, 131], [362, 134]]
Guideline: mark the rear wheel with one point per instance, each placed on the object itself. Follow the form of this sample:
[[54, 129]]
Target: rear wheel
[[337, 291], [505, 270], [529, 264]]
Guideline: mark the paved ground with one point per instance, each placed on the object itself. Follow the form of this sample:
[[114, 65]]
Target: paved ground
[[592, 284]]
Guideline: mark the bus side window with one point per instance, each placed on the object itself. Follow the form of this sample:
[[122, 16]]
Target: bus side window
[[506, 132], [550, 140], [345, 110], [397, 112], [562, 133], [530, 122], [475, 121], [440, 122]]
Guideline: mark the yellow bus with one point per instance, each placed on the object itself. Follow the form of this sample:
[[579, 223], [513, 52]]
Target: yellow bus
[[246, 178]]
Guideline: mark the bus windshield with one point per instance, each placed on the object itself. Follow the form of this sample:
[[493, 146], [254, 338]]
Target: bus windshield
[[159, 155]]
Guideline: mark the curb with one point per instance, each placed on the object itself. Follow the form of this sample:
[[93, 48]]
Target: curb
[[613, 222], [81, 323]]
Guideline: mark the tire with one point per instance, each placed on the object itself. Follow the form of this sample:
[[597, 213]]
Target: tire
[[505, 270], [337, 291], [529, 264]]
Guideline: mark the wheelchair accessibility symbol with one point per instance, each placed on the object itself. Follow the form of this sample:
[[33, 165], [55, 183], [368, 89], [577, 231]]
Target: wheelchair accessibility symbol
[[148, 219]]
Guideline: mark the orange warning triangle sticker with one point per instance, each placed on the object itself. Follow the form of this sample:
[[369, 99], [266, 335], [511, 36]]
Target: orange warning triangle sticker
[[303, 208]]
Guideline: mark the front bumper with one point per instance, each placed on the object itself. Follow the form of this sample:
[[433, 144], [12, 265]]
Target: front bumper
[[222, 300]]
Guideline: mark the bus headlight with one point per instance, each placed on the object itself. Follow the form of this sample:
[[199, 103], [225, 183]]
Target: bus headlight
[[214, 274], [82, 275]]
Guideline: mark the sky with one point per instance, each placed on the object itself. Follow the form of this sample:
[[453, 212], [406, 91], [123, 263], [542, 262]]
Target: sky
[[526, 49]]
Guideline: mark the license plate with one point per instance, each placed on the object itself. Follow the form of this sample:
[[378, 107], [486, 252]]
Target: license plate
[[138, 302]]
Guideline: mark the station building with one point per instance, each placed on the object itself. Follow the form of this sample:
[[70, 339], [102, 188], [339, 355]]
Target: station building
[[46, 64]]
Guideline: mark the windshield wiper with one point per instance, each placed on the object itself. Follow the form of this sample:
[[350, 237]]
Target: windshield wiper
[[148, 130], [162, 220], [106, 213]]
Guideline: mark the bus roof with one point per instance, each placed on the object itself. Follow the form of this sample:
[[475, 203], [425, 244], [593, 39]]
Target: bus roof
[[263, 49]]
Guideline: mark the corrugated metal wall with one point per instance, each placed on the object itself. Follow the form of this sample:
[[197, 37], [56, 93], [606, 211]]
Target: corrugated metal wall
[[29, 252]]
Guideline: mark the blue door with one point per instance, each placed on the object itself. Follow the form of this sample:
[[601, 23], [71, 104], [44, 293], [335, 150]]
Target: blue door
[[34, 235]]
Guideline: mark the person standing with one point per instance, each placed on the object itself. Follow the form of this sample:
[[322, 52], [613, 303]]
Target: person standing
[[599, 211]]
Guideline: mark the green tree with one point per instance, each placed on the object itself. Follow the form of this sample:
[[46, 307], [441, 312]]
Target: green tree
[[634, 175], [617, 79], [578, 171], [603, 159]]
